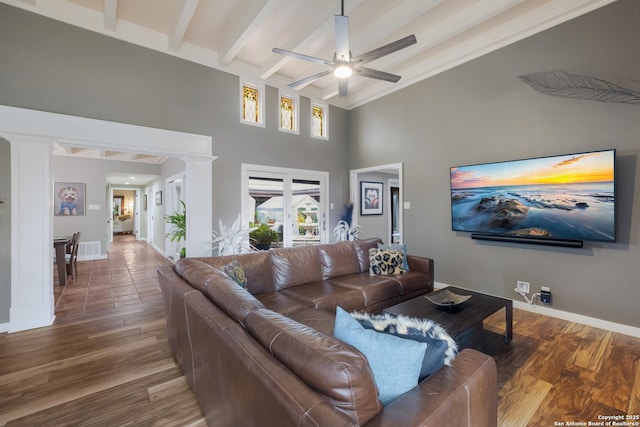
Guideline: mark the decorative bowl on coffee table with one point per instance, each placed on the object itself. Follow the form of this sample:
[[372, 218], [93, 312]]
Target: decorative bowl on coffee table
[[447, 298]]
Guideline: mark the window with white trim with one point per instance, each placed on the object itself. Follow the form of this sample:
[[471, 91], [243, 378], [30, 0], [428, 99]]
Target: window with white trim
[[319, 120], [251, 103], [289, 109]]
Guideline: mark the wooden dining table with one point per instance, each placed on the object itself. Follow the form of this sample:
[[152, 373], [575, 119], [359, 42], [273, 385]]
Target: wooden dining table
[[60, 246]]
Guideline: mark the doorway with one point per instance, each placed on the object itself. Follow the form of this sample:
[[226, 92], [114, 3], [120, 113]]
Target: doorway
[[291, 202], [124, 211], [32, 134], [387, 224]]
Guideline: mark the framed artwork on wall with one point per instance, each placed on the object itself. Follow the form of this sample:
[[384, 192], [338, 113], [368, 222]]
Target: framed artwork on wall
[[144, 202], [370, 198], [69, 199], [158, 197]]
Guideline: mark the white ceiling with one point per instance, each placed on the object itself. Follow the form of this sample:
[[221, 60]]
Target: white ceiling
[[237, 36], [113, 178]]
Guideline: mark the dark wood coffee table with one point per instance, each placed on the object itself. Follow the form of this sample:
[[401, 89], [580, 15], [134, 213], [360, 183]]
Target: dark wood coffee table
[[464, 322]]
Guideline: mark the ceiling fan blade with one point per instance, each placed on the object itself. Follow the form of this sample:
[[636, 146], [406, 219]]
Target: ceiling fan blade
[[309, 79], [386, 49], [376, 74], [343, 86], [301, 56], [342, 38]]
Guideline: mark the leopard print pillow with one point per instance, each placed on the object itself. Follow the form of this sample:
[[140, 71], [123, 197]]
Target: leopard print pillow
[[385, 262]]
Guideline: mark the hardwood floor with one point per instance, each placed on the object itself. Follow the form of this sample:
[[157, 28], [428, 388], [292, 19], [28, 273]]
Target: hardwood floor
[[560, 371], [106, 361]]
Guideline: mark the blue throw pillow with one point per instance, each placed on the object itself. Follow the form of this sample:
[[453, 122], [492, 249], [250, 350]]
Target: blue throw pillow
[[400, 247], [395, 362], [441, 348]]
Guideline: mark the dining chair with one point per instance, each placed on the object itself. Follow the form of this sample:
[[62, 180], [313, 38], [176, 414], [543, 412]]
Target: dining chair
[[71, 257]]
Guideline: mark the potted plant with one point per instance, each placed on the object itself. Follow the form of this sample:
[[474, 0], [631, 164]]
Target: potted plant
[[179, 230], [233, 240], [263, 236]]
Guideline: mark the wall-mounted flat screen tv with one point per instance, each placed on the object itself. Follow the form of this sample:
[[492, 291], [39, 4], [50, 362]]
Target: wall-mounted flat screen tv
[[569, 197]]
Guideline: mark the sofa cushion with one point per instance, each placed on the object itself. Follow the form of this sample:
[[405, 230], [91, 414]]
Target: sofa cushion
[[281, 303], [385, 262], [362, 251], [234, 300], [374, 289], [296, 266], [338, 372], [326, 296], [320, 320], [257, 268], [395, 362], [194, 271], [411, 282], [441, 350], [338, 259]]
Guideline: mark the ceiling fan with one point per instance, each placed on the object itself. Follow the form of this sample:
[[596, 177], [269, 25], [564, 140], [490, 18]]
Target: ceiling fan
[[343, 64]]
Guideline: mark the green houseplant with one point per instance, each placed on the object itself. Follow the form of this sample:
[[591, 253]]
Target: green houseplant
[[263, 236], [179, 230]]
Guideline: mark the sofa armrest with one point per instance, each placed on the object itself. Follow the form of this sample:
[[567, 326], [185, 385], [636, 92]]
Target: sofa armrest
[[421, 264], [464, 394]]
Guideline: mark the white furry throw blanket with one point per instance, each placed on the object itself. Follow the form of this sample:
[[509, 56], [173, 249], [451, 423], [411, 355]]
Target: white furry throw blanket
[[408, 326]]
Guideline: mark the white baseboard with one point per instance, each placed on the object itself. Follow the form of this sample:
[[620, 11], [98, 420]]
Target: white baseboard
[[571, 317]]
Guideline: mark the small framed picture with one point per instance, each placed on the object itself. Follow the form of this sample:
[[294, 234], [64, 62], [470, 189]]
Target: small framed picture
[[69, 199], [144, 202], [158, 197], [370, 198]]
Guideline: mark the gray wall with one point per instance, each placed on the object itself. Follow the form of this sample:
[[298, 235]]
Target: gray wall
[[480, 112], [5, 230], [47, 65], [93, 173]]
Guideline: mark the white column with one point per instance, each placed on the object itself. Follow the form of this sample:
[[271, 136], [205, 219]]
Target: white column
[[32, 302], [199, 200]]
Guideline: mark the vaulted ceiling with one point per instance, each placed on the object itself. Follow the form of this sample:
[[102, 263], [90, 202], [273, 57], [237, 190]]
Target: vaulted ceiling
[[237, 36]]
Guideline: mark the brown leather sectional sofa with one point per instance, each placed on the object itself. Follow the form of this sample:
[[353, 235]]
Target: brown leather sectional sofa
[[266, 356]]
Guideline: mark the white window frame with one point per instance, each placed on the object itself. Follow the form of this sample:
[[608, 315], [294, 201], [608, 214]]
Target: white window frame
[[325, 122], [261, 92], [296, 111], [288, 175]]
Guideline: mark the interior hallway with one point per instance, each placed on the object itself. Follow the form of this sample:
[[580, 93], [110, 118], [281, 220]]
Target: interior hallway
[[126, 278]]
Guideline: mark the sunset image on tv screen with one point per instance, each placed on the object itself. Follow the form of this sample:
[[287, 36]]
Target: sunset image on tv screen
[[570, 197]]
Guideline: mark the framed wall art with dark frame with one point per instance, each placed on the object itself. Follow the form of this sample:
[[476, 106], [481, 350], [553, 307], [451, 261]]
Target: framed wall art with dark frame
[[370, 198], [158, 197], [69, 199]]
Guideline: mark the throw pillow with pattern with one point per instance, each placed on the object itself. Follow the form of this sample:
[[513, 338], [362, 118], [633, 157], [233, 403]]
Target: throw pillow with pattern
[[234, 270], [385, 262]]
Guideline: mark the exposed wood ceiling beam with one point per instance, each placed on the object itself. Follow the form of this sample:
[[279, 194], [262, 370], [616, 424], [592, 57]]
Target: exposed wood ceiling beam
[[186, 15], [110, 14], [460, 18], [249, 24]]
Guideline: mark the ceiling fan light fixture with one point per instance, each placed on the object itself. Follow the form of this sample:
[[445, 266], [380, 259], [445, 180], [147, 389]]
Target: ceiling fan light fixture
[[342, 71]]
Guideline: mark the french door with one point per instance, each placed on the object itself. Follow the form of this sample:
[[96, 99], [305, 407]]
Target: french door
[[291, 202]]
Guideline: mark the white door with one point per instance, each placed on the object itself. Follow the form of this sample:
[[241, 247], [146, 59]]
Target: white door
[[291, 202]]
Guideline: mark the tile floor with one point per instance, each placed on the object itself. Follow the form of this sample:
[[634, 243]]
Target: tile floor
[[127, 277]]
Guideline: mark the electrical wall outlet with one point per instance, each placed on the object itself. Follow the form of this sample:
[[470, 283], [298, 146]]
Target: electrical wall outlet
[[522, 286], [545, 294]]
